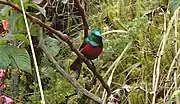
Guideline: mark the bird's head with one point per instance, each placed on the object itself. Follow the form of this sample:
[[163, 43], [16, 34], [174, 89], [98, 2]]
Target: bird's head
[[96, 32], [95, 37]]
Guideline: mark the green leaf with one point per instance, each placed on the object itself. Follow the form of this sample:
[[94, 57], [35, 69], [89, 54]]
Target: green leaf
[[18, 1], [173, 5], [20, 25], [15, 1], [4, 60], [1, 6], [42, 10], [16, 57], [2, 42], [21, 37], [13, 22], [34, 30], [38, 8], [5, 9], [21, 58], [52, 45]]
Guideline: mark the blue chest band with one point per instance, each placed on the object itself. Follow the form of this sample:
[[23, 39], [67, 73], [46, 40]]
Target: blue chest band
[[92, 46]]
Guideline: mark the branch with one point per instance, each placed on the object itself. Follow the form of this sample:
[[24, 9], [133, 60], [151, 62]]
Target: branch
[[65, 38], [83, 16], [71, 79]]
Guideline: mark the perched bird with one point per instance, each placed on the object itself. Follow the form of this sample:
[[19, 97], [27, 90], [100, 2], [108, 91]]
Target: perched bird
[[91, 48]]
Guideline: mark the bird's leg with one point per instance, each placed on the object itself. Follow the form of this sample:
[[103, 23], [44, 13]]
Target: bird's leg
[[67, 98], [92, 62], [71, 95]]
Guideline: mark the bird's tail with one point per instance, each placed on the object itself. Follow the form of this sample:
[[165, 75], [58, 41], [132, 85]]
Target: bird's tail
[[76, 67]]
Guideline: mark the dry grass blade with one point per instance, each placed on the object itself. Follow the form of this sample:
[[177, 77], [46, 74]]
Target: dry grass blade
[[171, 69], [113, 67], [176, 52], [114, 31], [132, 68], [159, 55]]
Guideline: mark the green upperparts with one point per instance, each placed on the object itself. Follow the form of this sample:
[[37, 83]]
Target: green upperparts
[[95, 38]]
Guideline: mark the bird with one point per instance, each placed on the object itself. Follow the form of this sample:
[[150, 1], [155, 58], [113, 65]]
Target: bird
[[91, 48]]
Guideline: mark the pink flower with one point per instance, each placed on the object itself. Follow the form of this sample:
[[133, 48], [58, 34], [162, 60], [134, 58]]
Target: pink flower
[[2, 73], [6, 100], [5, 24]]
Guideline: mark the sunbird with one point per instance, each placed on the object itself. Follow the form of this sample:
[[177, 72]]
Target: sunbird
[[91, 48]]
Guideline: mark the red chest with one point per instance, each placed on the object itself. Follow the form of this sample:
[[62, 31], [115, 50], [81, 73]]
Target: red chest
[[91, 52]]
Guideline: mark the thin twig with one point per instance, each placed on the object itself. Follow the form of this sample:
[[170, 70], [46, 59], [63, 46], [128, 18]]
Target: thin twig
[[83, 16]]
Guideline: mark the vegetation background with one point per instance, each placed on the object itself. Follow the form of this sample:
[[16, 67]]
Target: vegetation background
[[145, 65]]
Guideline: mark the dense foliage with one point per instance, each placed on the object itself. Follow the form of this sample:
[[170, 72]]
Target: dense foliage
[[145, 23]]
